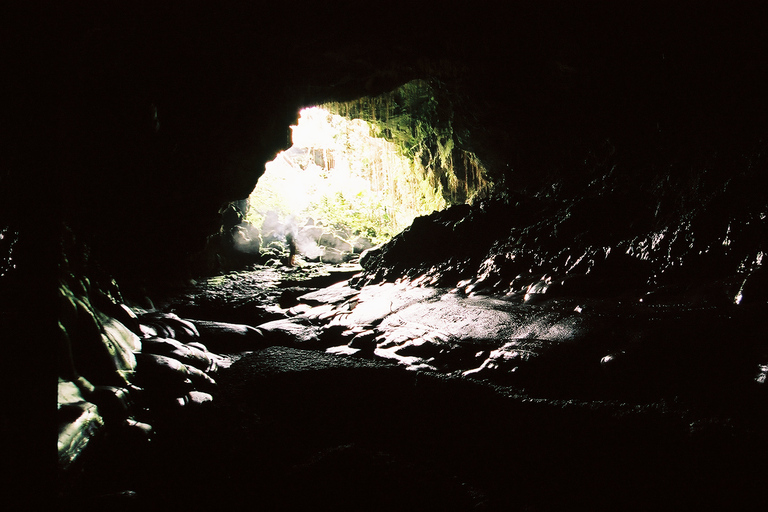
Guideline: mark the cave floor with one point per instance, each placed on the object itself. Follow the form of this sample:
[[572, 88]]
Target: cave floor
[[292, 429], [302, 426]]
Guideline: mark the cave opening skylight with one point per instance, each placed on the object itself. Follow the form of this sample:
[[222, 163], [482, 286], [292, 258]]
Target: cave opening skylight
[[341, 179]]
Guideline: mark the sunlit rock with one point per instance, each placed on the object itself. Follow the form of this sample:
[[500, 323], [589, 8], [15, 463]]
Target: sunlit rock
[[365, 341], [334, 294], [187, 354], [333, 256], [754, 288], [197, 397], [167, 325], [164, 378], [102, 347], [360, 244], [247, 238], [536, 291], [334, 241], [289, 332], [503, 360], [79, 423]]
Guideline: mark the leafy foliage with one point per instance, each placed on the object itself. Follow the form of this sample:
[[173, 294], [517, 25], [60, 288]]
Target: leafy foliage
[[418, 118], [341, 173]]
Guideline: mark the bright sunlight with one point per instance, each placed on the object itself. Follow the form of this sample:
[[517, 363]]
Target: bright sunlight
[[339, 175]]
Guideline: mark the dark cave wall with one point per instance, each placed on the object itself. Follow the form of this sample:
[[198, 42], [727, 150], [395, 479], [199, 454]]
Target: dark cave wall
[[166, 111], [170, 111]]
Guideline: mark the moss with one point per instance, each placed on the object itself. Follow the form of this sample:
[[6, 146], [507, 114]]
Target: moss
[[419, 118]]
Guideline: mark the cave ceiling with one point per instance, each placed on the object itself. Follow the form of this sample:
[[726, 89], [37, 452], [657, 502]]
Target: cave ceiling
[[163, 111]]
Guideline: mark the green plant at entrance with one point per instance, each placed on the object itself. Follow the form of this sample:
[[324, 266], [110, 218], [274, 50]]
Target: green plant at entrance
[[418, 118], [342, 173]]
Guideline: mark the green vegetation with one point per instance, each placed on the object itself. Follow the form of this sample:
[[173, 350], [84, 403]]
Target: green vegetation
[[418, 118], [340, 173], [372, 165]]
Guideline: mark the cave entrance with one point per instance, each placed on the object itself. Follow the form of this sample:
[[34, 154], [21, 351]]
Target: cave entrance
[[339, 189]]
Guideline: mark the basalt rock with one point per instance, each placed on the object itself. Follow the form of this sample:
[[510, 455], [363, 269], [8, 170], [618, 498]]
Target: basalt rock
[[623, 148], [110, 371], [361, 244]]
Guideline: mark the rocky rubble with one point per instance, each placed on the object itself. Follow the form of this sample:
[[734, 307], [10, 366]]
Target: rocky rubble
[[372, 383], [552, 346], [239, 243], [118, 365], [341, 373], [488, 294]]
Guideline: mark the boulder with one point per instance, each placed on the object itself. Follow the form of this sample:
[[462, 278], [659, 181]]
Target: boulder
[[334, 256], [79, 423], [310, 233], [246, 238], [334, 242], [361, 244]]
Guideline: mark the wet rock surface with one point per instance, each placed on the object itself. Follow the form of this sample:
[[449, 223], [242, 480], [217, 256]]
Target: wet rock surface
[[476, 361], [561, 347], [292, 429], [401, 396], [251, 296]]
